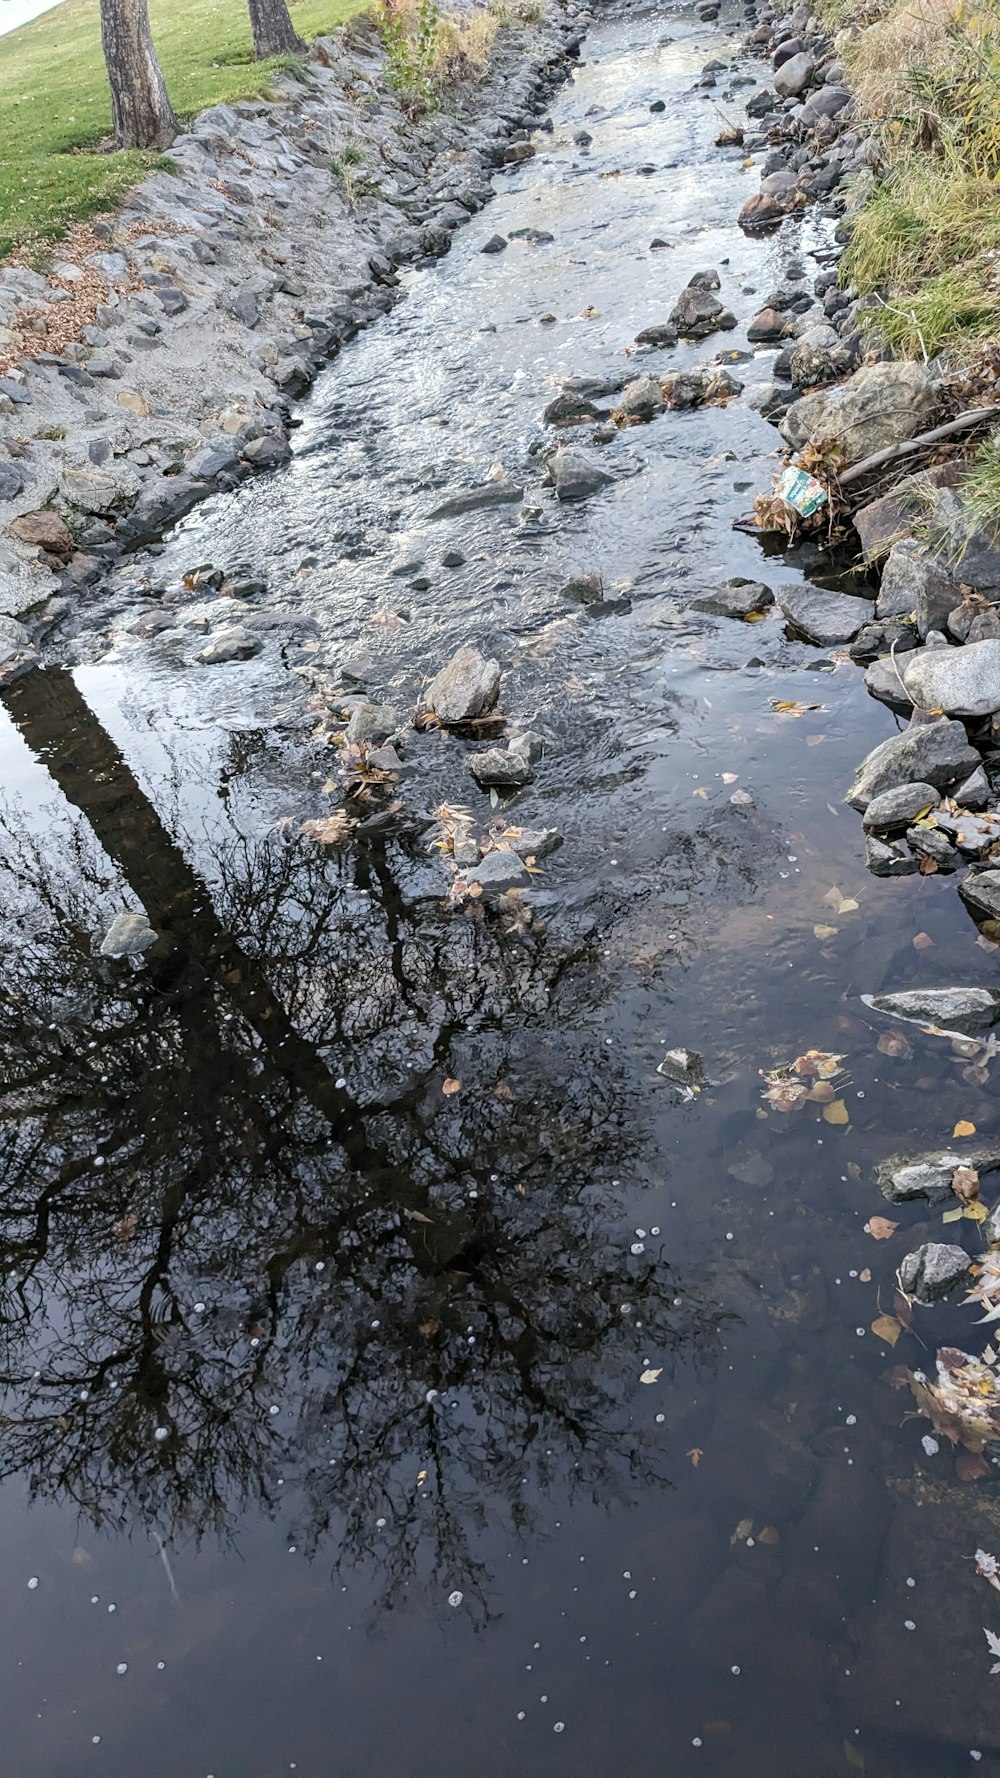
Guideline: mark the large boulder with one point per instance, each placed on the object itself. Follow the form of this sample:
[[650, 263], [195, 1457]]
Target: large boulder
[[881, 404], [821, 616], [467, 687], [935, 753], [959, 681], [950, 1009], [820, 357], [794, 75]]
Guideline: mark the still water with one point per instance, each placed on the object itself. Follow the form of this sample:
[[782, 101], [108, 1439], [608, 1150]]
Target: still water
[[326, 1445]]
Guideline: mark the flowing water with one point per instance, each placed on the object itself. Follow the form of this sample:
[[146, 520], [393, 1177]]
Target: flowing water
[[326, 1447]]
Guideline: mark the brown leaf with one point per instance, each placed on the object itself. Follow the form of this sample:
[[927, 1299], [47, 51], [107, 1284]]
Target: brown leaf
[[880, 1228], [887, 1328], [971, 1466], [743, 1530], [768, 1535], [922, 942], [428, 1327], [965, 1184], [928, 868], [865, 1274], [893, 1043], [450, 1087], [822, 1093], [903, 1309]]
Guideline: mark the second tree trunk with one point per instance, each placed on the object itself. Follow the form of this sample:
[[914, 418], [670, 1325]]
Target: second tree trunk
[[273, 31]]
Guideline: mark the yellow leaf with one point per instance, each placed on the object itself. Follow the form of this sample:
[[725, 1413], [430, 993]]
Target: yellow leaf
[[848, 905], [450, 1087], [976, 1212], [964, 1128], [954, 1215], [651, 1376], [837, 1113], [826, 931], [887, 1328], [880, 1228], [702, 792]]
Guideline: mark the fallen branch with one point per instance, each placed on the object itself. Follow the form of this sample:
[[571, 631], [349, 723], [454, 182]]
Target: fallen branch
[[891, 453]]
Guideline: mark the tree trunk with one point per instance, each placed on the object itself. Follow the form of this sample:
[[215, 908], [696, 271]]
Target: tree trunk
[[273, 31], [143, 115]]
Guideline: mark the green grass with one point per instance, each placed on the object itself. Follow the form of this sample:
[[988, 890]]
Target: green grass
[[54, 104]]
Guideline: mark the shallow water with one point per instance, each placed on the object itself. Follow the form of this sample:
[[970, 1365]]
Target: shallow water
[[323, 1411]]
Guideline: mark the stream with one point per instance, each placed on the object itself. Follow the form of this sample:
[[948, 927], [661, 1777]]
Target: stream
[[359, 1428]]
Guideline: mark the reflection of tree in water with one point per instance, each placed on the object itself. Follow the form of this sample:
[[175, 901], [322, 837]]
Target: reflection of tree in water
[[204, 1220]]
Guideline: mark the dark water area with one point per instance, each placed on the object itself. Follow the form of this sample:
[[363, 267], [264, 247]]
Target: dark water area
[[326, 1447]]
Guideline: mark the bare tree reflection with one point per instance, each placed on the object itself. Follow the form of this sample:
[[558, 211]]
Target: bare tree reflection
[[245, 1235]]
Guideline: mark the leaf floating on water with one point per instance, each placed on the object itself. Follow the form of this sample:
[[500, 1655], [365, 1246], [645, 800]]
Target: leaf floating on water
[[825, 931], [887, 1328], [994, 1647], [729, 777], [822, 1063], [769, 1535], [837, 1113], [880, 1228], [971, 1466], [791, 707], [651, 1376], [695, 1454], [450, 1087], [865, 1274], [922, 941], [839, 902], [743, 1530], [854, 1755], [964, 1128]]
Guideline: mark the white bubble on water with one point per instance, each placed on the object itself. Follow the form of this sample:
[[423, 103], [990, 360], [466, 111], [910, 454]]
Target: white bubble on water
[[160, 1434], [122, 1667], [455, 1598], [32, 1584]]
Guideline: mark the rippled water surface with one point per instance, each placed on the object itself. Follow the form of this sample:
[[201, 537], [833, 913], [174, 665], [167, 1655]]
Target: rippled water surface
[[325, 1443]]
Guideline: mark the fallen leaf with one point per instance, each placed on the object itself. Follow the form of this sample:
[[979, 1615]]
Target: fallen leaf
[[743, 1530], [822, 1093], [865, 1274], [880, 1228], [853, 1170], [450, 1087], [837, 1113], [769, 1535], [922, 942], [696, 1455], [854, 1755], [428, 1327], [651, 1376], [887, 1328], [965, 1183], [971, 1466], [825, 931], [815, 740], [928, 868], [964, 1128], [823, 1063], [729, 777], [893, 1043], [791, 707]]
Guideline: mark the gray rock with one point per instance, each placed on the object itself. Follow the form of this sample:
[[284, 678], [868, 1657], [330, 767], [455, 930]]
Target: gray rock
[[11, 481], [883, 681], [916, 583], [374, 722], [683, 1066], [575, 475], [498, 872], [128, 936], [477, 500], [697, 313], [960, 681], [823, 617], [661, 333], [793, 76], [951, 1009], [899, 808], [495, 244], [98, 491], [641, 399], [467, 687], [828, 101], [768, 325], [501, 766], [736, 598], [213, 460], [935, 753], [930, 842], [881, 404], [931, 1270], [981, 891], [232, 644], [269, 451], [972, 834], [902, 1178], [884, 860], [975, 792], [819, 357], [566, 409], [532, 842]]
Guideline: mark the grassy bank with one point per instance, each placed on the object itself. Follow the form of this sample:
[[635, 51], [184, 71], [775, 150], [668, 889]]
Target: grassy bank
[[54, 105], [926, 243]]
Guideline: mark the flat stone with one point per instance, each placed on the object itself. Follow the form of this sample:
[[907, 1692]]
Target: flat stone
[[899, 808], [736, 598], [884, 860], [951, 1009], [498, 872], [477, 500], [98, 491], [933, 843], [467, 687], [46, 529], [960, 681], [932, 1270], [500, 766], [823, 617], [881, 404], [531, 842], [935, 753], [903, 1178], [980, 890], [128, 936], [683, 1066]]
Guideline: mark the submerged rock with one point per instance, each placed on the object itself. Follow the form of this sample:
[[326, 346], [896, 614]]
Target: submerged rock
[[932, 1270], [823, 617], [232, 644], [881, 404], [684, 1067], [467, 687], [981, 891], [499, 493], [951, 1009], [498, 872], [531, 842], [128, 936], [935, 753], [587, 588], [374, 722]]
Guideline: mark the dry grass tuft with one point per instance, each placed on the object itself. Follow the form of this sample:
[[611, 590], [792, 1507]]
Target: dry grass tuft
[[880, 61]]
